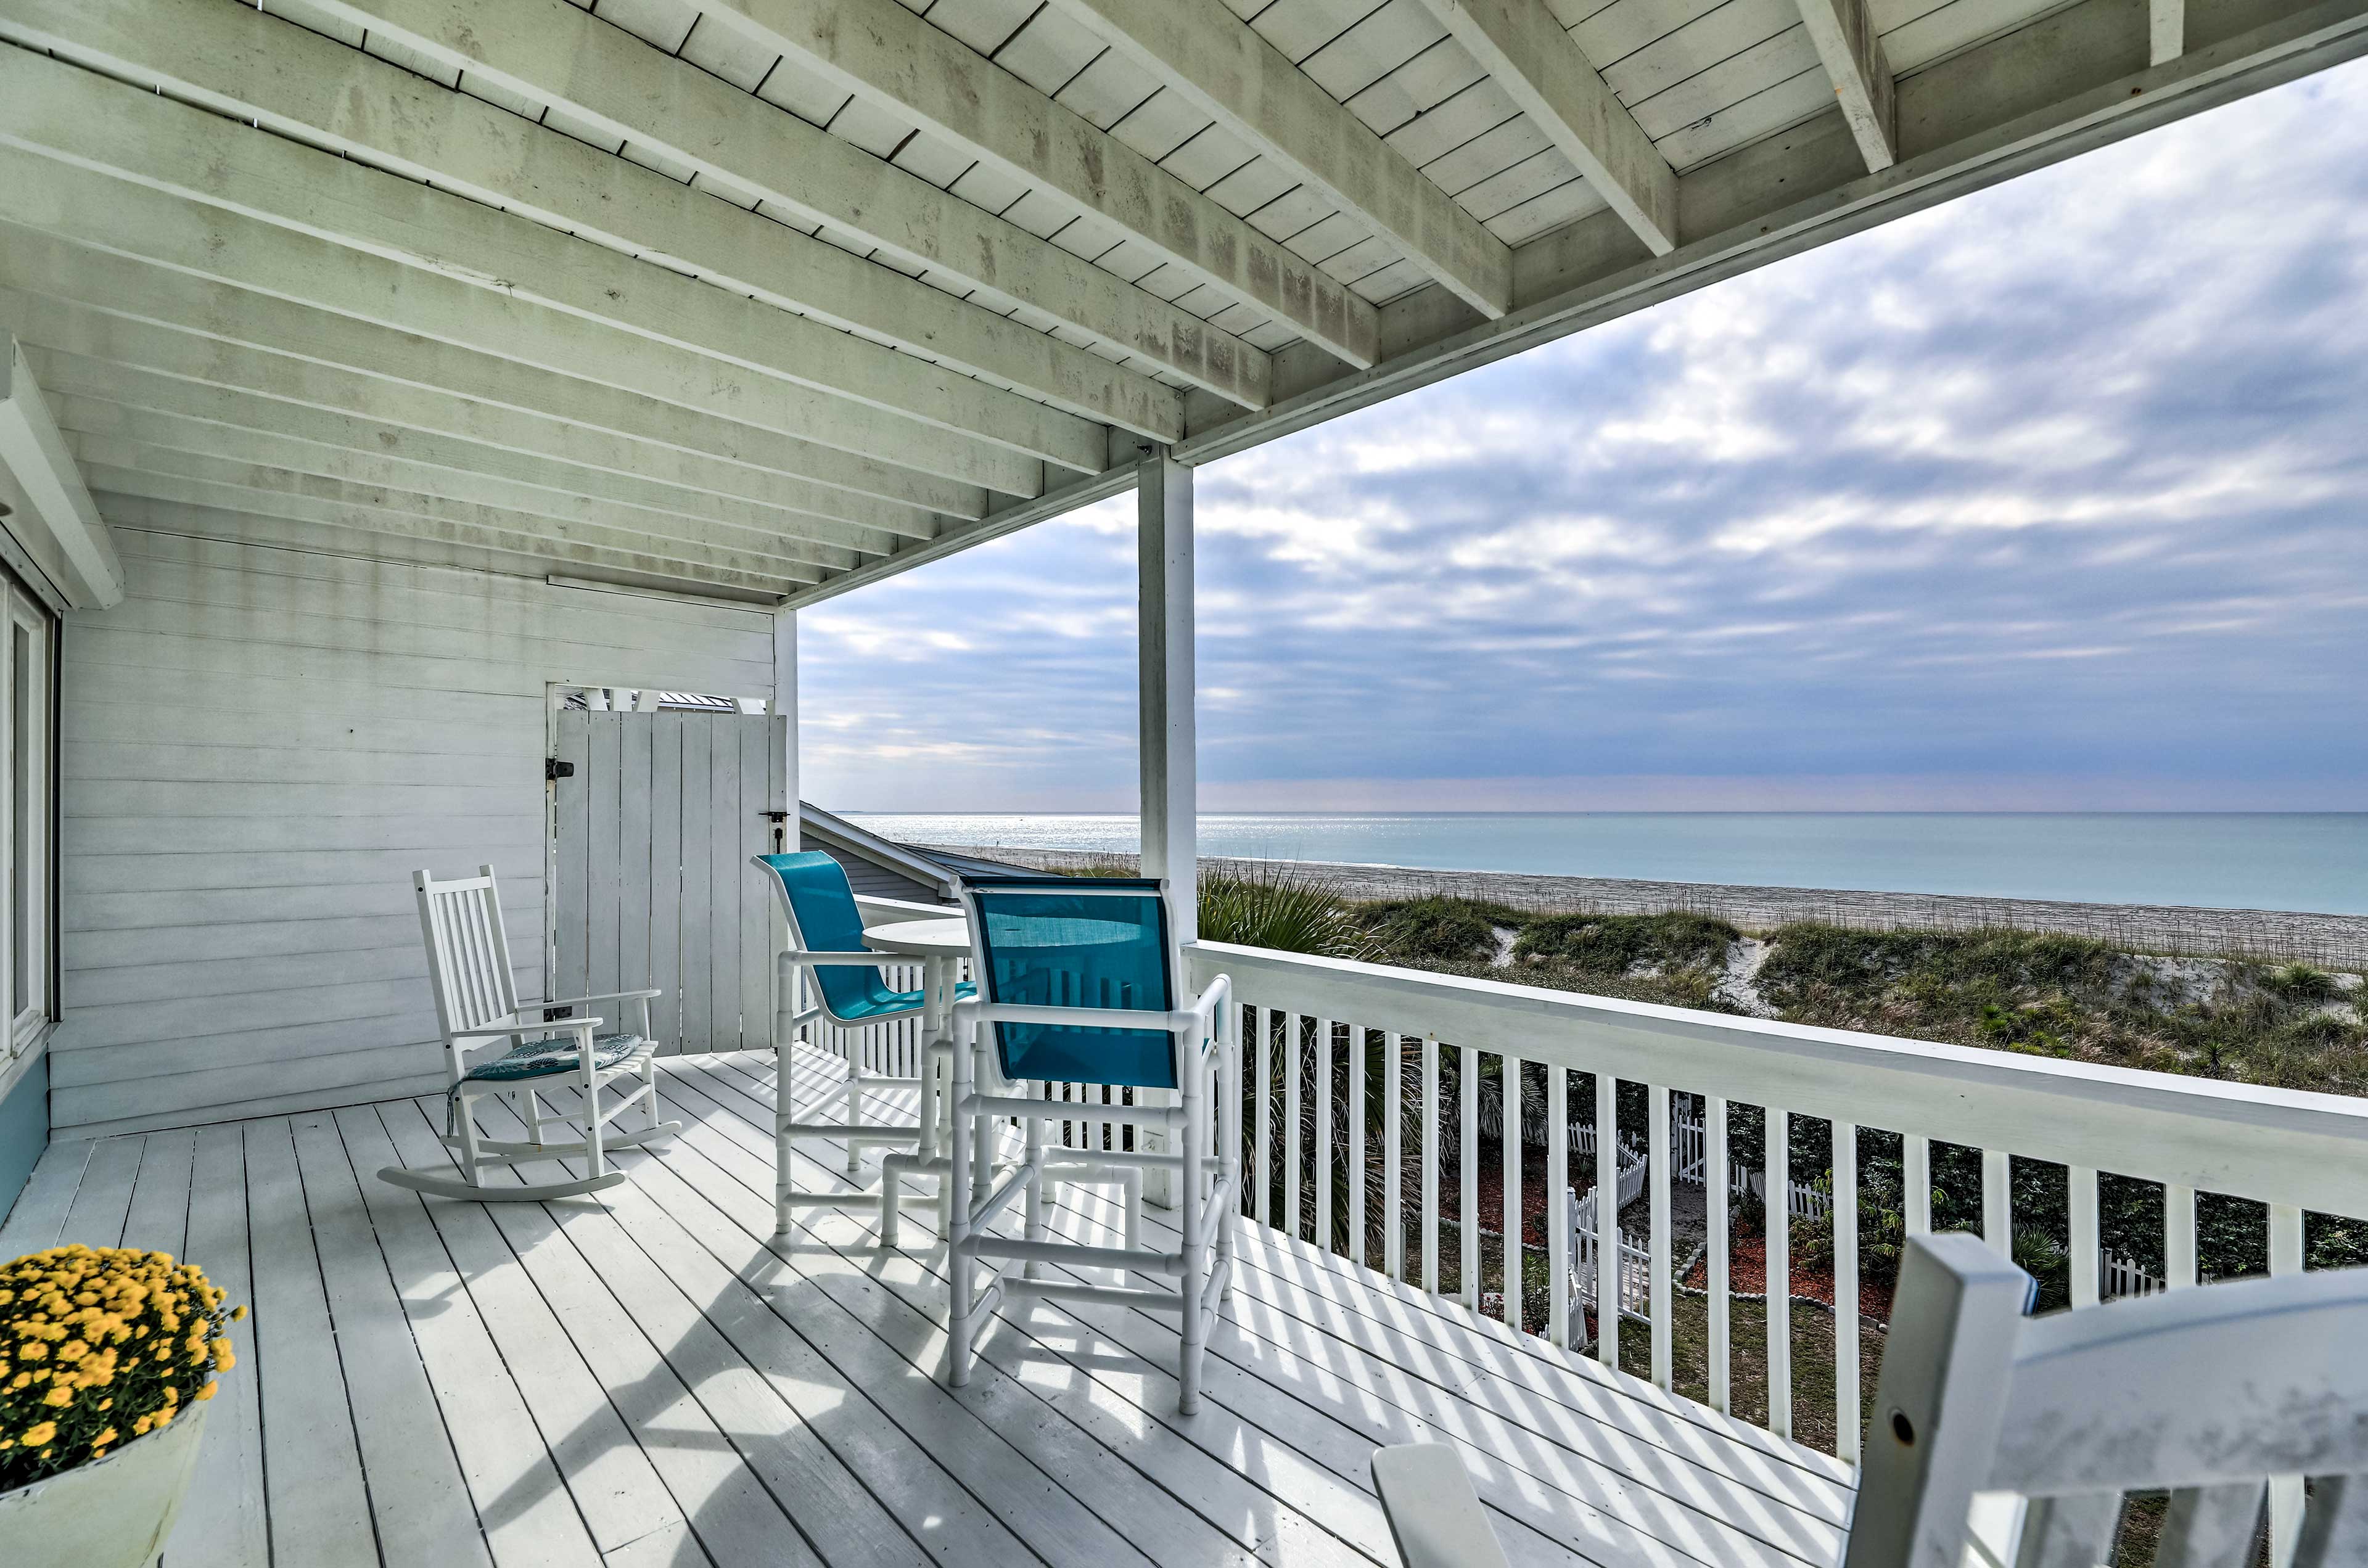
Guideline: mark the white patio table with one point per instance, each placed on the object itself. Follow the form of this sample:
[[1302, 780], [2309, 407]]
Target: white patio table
[[941, 945]]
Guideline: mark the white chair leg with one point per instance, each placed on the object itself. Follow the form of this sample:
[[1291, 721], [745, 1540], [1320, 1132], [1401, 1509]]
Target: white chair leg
[[468, 1140], [1195, 1251], [1033, 1153], [1229, 1155], [1130, 1193], [596, 1164], [857, 1046], [783, 1184], [958, 1257]]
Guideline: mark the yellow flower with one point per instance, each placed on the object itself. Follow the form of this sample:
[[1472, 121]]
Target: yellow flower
[[207, 1393], [223, 1359], [104, 1438], [40, 1434], [58, 1394]]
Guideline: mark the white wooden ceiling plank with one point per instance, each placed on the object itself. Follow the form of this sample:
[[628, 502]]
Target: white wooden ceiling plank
[[882, 52], [1200, 48], [1381, 43], [1889, 16], [1400, 277], [1610, 34], [1485, 155], [395, 52], [871, 126], [1203, 301], [1208, 157], [1130, 259], [1509, 188], [304, 14], [663, 24], [212, 159], [1041, 213], [1365, 258], [1431, 78], [1090, 236], [1297, 28], [1958, 25], [559, 117], [1730, 82], [1274, 337], [984, 25], [1441, 130], [1160, 124], [1291, 211], [1546, 213], [985, 186], [720, 52], [1049, 51], [1108, 90], [1699, 45], [1764, 113], [503, 97], [934, 159], [658, 158], [1239, 319], [1253, 185], [208, 333], [1328, 236], [804, 93]]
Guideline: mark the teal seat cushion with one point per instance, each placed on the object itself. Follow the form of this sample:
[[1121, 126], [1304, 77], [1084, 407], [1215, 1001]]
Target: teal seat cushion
[[560, 1054], [879, 1002]]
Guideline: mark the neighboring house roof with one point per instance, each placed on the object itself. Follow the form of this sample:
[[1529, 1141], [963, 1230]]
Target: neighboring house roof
[[882, 868]]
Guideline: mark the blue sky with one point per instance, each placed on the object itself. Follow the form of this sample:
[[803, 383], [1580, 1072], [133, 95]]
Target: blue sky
[[2054, 497]]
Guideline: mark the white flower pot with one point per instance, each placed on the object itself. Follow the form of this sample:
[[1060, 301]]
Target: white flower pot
[[112, 1512]]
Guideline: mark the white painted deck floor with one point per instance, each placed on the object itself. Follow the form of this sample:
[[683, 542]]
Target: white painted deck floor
[[655, 1380]]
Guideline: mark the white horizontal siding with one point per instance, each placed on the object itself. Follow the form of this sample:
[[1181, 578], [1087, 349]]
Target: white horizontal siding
[[258, 748]]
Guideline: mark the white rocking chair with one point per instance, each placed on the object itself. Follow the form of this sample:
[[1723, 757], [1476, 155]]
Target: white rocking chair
[[476, 1004]]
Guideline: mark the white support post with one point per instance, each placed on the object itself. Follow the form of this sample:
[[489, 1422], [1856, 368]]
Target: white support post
[[1163, 492], [788, 983]]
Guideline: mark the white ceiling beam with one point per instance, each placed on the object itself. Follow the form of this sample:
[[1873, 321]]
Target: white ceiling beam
[[90, 386], [387, 513], [123, 219], [2165, 31], [196, 331], [62, 529], [278, 201], [887, 55], [1200, 49], [243, 62], [90, 421], [1532, 57], [550, 51], [1847, 41]]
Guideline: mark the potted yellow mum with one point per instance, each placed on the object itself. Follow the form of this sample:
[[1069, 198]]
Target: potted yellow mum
[[108, 1356]]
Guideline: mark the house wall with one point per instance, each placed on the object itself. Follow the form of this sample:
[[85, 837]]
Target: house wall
[[259, 746], [878, 881]]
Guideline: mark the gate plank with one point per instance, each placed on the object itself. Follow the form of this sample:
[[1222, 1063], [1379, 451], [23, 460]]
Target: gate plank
[[723, 844], [571, 860], [636, 732], [754, 900], [666, 880], [605, 738], [698, 998]]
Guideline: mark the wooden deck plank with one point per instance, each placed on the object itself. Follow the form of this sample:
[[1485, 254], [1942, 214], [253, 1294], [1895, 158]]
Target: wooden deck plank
[[222, 1522], [40, 1213], [158, 1220], [520, 1497], [727, 1506], [653, 1380], [416, 1493], [318, 1503], [1693, 1512], [616, 1487]]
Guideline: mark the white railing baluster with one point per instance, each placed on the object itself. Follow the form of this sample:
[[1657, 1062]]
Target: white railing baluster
[[1509, 1146], [1430, 1163], [1290, 1162], [2082, 1194], [1558, 1204], [1714, 1200], [1357, 1165], [1607, 1218], [2179, 1236], [1845, 1223], [1916, 1157], [1467, 1149], [1324, 1133], [1265, 1116], [1997, 1201], [1778, 1135], [1657, 1154], [1393, 1156], [2285, 1491]]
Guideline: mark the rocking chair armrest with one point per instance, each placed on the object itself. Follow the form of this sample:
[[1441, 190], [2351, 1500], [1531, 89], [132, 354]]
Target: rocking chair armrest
[[503, 1031], [600, 996]]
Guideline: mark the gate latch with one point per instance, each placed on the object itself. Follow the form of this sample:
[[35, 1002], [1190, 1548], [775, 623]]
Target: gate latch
[[554, 768], [781, 820]]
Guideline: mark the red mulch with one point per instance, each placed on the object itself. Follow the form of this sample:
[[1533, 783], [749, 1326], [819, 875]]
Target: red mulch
[[1747, 1273]]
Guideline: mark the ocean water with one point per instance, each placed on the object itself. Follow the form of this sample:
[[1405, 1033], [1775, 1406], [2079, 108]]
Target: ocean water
[[2315, 861]]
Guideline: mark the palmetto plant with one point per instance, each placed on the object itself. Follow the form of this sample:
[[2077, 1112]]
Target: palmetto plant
[[1279, 908]]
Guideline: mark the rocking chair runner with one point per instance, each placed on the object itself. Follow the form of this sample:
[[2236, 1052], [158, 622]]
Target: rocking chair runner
[[476, 1004]]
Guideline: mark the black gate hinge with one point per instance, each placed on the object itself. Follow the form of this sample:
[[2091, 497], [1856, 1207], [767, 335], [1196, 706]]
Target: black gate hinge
[[554, 768]]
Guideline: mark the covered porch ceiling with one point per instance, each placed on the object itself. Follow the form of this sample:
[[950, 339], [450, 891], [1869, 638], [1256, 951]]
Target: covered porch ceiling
[[773, 297]]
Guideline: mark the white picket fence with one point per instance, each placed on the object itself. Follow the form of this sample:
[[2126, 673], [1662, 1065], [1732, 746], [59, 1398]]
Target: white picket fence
[[2119, 1276], [1636, 1262]]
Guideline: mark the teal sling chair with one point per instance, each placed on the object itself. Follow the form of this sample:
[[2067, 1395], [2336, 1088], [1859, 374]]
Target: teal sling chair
[[826, 932], [1079, 982]]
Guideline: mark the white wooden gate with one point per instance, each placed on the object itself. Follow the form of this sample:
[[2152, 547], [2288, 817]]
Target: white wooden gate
[[651, 883]]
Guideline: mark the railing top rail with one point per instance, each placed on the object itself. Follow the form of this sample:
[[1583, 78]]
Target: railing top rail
[[2276, 1146]]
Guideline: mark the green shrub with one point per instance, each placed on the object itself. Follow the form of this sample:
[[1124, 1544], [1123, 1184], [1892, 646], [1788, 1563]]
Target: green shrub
[[1614, 944], [1437, 929], [1279, 908]]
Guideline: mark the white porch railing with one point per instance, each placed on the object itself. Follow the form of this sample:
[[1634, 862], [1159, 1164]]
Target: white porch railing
[[2290, 1151]]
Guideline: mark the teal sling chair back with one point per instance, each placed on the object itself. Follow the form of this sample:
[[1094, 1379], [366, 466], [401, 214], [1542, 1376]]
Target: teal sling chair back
[[1079, 983], [826, 939]]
